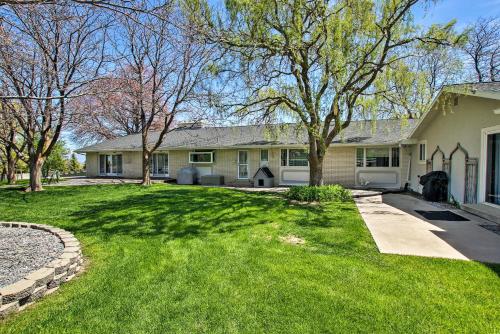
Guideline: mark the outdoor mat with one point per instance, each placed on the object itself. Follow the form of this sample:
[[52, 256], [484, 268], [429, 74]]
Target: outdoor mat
[[441, 215], [493, 228]]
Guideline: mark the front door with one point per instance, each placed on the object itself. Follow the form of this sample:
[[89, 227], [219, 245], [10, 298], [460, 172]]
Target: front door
[[493, 169]]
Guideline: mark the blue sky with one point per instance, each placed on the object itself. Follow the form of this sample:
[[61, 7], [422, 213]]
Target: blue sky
[[443, 11], [465, 11]]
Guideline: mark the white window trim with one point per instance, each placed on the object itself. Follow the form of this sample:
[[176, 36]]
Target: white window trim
[[99, 164], [168, 165], [373, 167], [422, 162], [198, 162], [240, 164], [481, 194], [288, 157]]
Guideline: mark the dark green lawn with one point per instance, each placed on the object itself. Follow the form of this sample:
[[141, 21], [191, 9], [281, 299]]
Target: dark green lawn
[[172, 259]]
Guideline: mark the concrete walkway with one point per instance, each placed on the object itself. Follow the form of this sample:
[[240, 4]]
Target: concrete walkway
[[398, 229], [87, 181]]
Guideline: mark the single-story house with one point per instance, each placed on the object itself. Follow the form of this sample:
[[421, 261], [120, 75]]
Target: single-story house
[[460, 135], [237, 152]]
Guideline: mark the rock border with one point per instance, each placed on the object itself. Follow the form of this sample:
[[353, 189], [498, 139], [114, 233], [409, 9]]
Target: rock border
[[41, 282]]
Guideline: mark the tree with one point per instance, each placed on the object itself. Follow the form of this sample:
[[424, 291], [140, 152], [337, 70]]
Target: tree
[[165, 65], [74, 166], [483, 49], [56, 161], [316, 61], [48, 55], [411, 89], [110, 109], [12, 145]]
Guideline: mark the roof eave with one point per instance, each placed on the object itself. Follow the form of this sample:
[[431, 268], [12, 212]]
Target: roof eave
[[238, 147]]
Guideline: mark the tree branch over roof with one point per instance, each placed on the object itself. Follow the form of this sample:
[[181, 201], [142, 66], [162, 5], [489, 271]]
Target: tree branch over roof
[[315, 61]]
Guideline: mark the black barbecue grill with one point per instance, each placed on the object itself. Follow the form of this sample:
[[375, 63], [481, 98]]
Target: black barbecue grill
[[435, 186]]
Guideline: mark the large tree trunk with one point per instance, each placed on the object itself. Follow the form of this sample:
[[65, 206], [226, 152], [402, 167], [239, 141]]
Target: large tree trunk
[[316, 172], [146, 169], [315, 163], [11, 170], [36, 164]]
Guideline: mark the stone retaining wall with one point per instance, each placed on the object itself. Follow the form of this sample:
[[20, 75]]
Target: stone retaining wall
[[19, 295]]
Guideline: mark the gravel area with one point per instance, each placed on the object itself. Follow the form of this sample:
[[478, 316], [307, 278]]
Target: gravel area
[[24, 250]]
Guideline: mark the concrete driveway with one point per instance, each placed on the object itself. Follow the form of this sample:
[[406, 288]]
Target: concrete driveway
[[398, 229]]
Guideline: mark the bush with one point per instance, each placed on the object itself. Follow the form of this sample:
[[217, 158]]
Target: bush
[[319, 193]]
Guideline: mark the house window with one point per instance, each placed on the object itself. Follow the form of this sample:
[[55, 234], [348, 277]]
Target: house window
[[159, 164], [242, 164], [284, 158], [201, 157], [377, 157], [298, 157], [294, 157], [422, 152], [110, 164], [395, 157], [264, 157], [360, 157]]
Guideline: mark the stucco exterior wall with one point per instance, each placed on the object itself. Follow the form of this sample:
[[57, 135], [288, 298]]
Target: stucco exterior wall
[[462, 124], [339, 164], [226, 163], [406, 155], [132, 164], [177, 160], [92, 164]]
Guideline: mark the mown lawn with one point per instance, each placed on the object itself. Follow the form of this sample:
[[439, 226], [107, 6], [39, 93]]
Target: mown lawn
[[173, 259], [18, 182]]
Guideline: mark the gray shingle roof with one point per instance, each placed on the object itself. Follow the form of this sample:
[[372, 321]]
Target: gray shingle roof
[[359, 132], [476, 88]]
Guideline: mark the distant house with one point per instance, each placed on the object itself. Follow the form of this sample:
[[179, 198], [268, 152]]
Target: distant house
[[460, 135]]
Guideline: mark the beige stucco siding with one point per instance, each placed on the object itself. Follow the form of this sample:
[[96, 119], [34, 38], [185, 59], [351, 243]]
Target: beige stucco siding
[[404, 162], [132, 164], [226, 163], [339, 165], [177, 160], [92, 164], [462, 124]]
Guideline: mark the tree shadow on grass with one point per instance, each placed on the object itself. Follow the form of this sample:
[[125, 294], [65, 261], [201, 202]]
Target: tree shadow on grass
[[494, 267], [179, 213]]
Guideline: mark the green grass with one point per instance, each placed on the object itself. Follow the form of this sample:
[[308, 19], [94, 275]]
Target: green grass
[[172, 259], [18, 182]]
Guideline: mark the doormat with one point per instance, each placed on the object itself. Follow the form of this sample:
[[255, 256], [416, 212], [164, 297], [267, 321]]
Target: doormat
[[441, 215], [493, 228]]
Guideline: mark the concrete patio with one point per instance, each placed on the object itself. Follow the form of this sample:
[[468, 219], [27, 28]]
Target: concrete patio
[[398, 229]]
